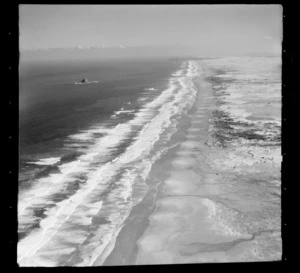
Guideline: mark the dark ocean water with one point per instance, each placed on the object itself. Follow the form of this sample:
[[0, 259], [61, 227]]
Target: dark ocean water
[[53, 107]]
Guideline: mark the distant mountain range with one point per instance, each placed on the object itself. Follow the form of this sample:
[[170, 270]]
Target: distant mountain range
[[100, 52], [120, 52]]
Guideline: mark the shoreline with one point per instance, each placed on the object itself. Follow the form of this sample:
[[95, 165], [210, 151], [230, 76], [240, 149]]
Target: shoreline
[[125, 250], [202, 206]]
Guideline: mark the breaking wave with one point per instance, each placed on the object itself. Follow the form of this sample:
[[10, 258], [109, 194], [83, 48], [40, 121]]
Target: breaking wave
[[73, 216]]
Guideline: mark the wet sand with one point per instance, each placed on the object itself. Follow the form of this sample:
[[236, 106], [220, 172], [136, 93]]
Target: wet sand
[[183, 228], [207, 202]]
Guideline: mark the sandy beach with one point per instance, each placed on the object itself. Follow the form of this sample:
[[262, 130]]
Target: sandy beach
[[213, 197]]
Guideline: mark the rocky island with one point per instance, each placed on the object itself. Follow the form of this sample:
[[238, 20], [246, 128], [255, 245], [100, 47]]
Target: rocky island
[[84, 80]]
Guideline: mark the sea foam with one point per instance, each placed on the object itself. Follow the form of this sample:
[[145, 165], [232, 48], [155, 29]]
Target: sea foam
[[46, 161], [106, 190]]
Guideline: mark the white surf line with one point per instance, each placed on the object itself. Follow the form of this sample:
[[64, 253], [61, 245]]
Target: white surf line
[[153, 103], [45, 161], [151, 89], [104, 247], [32, 251], [96, 175], [137, 120], [108, 242], [123, 111], [28, 203], [46, 232], [179, 96], [56, 179]]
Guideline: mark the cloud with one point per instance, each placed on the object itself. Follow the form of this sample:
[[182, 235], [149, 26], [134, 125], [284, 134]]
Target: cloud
[[121, 46]]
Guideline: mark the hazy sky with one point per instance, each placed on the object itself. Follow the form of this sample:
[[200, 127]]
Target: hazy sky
[[219, 29]]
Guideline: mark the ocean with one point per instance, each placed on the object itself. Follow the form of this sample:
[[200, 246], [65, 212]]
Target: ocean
[[86, 149]]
